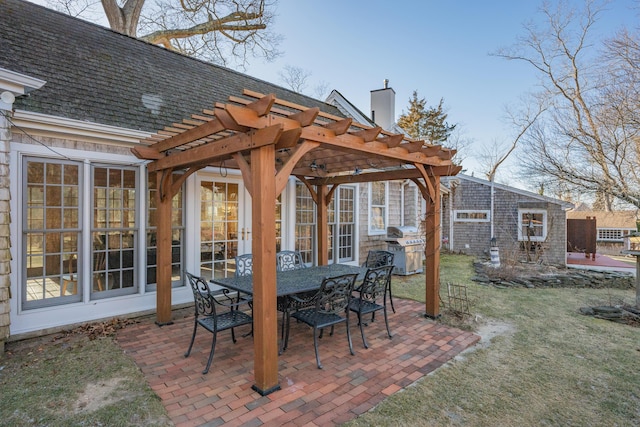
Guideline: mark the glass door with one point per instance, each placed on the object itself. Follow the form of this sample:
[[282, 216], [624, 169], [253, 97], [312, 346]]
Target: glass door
[[224, 229]]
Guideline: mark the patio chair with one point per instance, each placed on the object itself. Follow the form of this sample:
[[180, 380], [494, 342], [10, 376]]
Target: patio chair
[[207, 315], [287, 261], [244, 265], [380, 258], [372, 290], [331, 307]]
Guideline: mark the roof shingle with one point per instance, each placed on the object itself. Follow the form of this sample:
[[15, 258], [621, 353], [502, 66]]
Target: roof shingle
[[98, 75]]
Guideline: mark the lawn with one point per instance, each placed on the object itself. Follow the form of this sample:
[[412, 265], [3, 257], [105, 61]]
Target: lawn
[[540, 362]]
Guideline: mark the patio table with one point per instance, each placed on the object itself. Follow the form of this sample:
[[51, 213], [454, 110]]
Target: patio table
[[293, 281]]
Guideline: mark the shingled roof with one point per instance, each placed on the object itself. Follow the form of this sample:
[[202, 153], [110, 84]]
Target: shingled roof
[[97, 75]]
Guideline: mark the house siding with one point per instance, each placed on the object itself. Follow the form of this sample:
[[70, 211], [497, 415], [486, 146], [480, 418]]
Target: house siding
[[474, 238], [377, 241], [5, 233]]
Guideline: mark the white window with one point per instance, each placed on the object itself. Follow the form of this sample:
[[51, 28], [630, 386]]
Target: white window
[[53, 230], [378, 211], [471, 216], [305, 222], [342, 225], [532, 225], [114, 231], [611, 234]]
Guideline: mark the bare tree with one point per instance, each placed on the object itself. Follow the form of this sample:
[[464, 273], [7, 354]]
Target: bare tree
[[495, 154], [587, 139], [223, 31], [295, 78], [321, 90]]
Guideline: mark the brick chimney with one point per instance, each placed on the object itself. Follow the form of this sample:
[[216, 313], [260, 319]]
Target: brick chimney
[[383, 106]]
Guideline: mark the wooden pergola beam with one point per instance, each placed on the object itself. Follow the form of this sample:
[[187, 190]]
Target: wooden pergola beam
[[386, 175], [339, 127], [218, 149], [368, 135]]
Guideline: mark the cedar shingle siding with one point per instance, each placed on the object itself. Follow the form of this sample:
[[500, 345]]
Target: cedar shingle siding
[[474, 238]]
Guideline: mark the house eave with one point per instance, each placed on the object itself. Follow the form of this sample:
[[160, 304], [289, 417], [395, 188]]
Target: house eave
[[37, 124], [563, 204], [17, 83]]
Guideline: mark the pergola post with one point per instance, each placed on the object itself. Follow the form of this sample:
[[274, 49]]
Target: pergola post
[[163, 249], [432, 249], [323, 227], [265, 322]]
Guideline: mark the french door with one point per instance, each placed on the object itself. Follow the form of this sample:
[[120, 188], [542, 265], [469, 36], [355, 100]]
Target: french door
[[225, 225]]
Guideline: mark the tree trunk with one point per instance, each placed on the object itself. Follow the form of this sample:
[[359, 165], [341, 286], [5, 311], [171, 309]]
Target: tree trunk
[[123, 19]]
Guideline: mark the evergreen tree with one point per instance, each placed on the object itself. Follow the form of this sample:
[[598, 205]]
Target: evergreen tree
[[428, 123]]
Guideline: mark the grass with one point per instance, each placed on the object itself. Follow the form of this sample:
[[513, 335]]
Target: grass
[[70, 380], [545, 364], [549, 365]]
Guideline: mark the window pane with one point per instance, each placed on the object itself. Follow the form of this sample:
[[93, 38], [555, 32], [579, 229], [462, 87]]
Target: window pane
[[54, 173], [35, 172]]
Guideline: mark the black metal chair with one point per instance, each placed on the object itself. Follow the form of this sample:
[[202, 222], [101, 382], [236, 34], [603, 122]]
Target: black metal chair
[[206, 314], [287, 261], [244, 265], [372, 289], [379, 258], [330, 307]]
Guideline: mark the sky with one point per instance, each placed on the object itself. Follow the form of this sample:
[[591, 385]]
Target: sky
[[441, 49]]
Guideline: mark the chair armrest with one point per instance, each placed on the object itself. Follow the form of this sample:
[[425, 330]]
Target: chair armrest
[[304, 298], [232, 304]]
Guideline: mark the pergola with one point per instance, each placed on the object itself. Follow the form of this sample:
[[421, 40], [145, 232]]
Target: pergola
[[268, 140]]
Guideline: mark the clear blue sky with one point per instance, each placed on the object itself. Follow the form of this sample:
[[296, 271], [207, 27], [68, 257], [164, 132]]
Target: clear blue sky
[[439, 48]]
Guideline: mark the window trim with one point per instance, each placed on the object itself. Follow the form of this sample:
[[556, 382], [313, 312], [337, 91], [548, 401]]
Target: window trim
[[545, 221], [605, 230], [487, 212], [375, 231]]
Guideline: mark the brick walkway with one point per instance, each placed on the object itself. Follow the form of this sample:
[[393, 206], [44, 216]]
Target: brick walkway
[[347, 386]]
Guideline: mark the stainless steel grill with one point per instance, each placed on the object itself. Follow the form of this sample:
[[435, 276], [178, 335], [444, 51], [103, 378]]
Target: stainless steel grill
[[407, 245]]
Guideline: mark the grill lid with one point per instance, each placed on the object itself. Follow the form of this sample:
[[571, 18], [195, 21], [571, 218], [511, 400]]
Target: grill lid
[[404, 231]]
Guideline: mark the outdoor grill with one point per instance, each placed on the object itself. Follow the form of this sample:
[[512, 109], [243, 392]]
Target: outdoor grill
[[407, 246]]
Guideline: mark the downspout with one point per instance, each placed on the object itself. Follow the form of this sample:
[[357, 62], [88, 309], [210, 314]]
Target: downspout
[[492, 207]]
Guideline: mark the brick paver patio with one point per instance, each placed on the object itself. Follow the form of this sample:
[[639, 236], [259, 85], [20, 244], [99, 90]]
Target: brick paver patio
[[347, 386]]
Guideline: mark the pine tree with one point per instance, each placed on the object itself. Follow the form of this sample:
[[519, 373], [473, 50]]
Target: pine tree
[[425, 123]]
